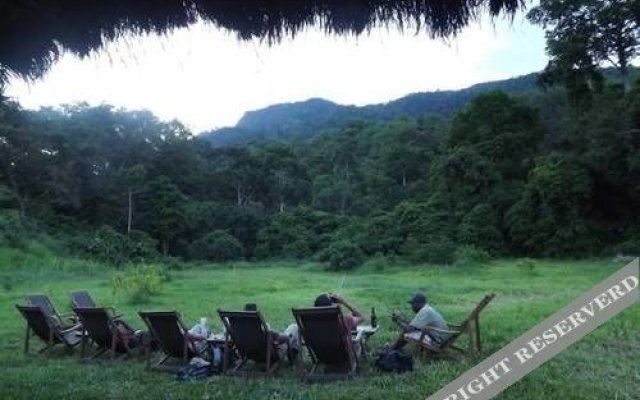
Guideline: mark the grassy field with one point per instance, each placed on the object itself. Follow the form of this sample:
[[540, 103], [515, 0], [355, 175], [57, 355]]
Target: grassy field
[[602, 366]]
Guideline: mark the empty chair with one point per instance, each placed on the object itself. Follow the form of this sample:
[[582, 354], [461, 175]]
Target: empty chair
[[42, 300], [103, 330], [168, 331], [82, 298], [46, 329], [247, 332], [329, 344]]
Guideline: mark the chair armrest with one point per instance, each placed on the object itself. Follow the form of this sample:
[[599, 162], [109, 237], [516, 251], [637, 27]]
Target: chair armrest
[[428, 329], [70, 316], [71, 329]]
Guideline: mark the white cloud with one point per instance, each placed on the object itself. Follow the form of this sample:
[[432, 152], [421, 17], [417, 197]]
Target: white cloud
[[207, 78]]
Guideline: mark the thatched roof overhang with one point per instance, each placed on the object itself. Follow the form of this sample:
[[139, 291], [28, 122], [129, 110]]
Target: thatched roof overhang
[[33, 31]]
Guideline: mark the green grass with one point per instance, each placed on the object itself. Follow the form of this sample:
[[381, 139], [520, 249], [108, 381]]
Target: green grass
[[602, 366]]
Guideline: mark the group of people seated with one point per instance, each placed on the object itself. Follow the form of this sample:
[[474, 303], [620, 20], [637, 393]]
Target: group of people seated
[[289, 342]]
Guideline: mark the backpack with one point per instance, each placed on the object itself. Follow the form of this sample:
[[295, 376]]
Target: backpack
[[394, 361], [194, 371]]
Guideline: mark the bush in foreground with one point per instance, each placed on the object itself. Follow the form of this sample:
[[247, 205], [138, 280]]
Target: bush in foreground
[[140, 283]]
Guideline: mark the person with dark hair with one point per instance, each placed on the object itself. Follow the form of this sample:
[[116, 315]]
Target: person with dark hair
[[351, 320], [426, 316]]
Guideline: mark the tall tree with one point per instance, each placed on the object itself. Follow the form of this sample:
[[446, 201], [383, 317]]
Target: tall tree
[[582, 35]]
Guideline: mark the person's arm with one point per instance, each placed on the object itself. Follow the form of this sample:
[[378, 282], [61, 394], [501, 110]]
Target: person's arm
[[195, 333], [403, 324], [356, 315]]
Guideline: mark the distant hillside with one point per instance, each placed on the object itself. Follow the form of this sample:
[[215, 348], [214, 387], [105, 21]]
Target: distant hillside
[[309, 117]]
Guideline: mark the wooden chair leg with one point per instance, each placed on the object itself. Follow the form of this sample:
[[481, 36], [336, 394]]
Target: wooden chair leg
[[225, 356], [26, 340], [185, 350], [83, 344], [114, 338], [471, 330], [164, 359], [50, 343], [268, 366], [479, 343], [147, 353]]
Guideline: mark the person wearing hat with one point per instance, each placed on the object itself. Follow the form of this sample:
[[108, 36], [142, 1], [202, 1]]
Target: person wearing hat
[[426, 316]]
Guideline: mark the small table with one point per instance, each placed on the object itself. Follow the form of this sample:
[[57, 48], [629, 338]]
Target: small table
[[362, 334], [216, 338]]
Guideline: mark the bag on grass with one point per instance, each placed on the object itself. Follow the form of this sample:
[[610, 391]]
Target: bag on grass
[[394, 361], [196, 369]]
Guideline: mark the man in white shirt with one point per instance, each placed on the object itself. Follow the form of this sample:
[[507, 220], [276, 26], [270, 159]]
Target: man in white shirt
[[426, 316]]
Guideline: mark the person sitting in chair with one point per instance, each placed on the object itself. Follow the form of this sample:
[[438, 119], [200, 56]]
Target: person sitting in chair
[[426, 317], [351, 321]]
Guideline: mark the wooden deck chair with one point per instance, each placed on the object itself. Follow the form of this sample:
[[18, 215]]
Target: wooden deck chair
[[326, 338], [470, 326], [100, 327], [248, 334], [169, 332], [48, 330], [42, 300], [82, 299]]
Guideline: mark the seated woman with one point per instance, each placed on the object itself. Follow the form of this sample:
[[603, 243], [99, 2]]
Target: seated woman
[[351, 321]]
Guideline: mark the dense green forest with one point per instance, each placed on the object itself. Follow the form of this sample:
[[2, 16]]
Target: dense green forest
[[528, 176], [549, 172]]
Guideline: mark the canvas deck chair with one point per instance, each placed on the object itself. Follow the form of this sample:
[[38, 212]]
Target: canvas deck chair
[[47, 330], [41, 300], [169, 332], [248, 334], [470, 326], [82, 299], [327, 341], [100, 328]]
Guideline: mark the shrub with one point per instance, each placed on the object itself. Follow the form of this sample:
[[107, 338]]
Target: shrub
[[285, 236], [12, 232], [470, 255], [108, 245], [480, 228], [434, 250], [140, 283], [216, 246], [139, 245], [342, 255]]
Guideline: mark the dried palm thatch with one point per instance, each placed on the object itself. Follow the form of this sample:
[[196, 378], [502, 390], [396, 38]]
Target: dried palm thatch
[[32, 31]]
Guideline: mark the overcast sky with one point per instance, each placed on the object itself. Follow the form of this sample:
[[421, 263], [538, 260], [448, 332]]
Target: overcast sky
[[206, 78]]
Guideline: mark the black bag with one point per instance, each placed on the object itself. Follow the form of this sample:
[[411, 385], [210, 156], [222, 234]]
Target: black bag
[[394, 361], [189, 372]]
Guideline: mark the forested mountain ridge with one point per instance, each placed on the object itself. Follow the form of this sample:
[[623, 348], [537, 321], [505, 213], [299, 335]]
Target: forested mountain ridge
[[310, 117]]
